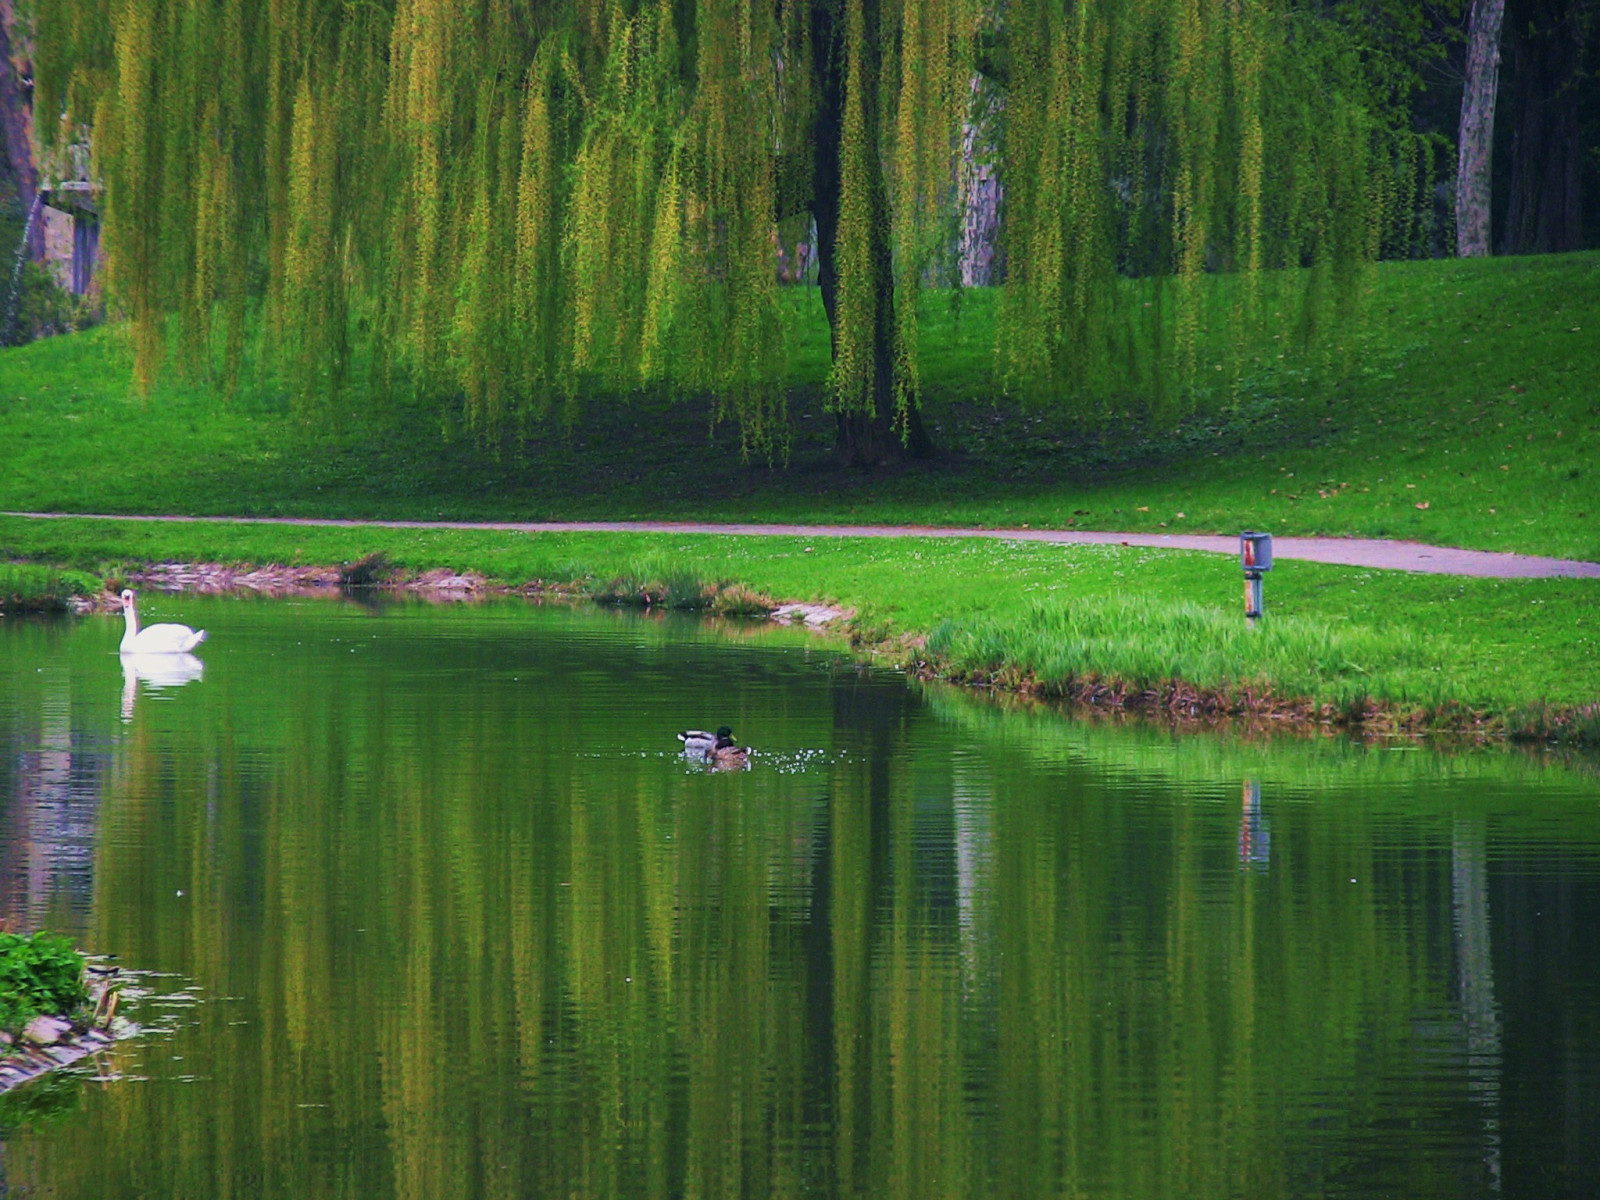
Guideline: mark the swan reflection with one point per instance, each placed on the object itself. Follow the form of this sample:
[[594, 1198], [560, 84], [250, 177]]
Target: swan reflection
[[158, 671]]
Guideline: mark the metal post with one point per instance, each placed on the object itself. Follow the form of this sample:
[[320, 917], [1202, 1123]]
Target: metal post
[[1252, 594]]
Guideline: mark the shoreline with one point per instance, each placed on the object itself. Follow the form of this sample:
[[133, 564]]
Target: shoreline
[[1177, 702], [55, 1040]]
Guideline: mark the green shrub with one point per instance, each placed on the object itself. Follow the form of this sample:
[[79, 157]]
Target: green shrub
[[42, 973], [43, 308]]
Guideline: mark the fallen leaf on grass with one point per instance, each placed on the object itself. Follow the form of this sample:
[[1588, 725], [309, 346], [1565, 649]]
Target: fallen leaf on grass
[[1422, 504]]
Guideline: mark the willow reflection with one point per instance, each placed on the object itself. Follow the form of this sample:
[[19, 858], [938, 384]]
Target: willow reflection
[[482, 938]]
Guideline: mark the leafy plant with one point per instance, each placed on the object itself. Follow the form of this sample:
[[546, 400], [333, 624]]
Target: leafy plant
[[40, 973], [44, 308]]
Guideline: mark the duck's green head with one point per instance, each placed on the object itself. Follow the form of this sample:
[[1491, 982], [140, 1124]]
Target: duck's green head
[[724, 731]]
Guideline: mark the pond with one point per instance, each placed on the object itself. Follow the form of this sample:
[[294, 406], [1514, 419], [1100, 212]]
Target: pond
[[418, 901]]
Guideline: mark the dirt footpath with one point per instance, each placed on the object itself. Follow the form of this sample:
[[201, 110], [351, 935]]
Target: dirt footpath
[[1351, 552]]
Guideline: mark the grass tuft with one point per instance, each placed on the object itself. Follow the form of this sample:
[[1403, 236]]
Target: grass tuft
[[1547, 723], [371, 570], [647, 585]]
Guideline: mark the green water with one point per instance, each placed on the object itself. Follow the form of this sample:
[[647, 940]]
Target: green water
[[419, 902]]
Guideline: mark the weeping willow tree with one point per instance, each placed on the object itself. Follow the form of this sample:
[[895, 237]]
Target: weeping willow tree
[[513, 205], [1184, 174]]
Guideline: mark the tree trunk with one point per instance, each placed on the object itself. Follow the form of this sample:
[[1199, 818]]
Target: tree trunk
[[1476, 140], [980, 189], [863, 439], [16, 122]]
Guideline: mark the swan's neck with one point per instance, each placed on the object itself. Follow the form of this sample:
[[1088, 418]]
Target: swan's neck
[[132, 620]]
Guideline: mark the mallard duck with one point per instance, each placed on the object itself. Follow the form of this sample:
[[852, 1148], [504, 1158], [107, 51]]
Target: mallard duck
[[716, 748], [697, 743], [729, 757]]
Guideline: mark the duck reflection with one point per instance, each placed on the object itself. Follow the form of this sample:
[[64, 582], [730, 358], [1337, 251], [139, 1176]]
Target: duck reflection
[[158, 671]]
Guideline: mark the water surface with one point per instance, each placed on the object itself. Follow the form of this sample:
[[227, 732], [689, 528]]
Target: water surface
[[422, 904]]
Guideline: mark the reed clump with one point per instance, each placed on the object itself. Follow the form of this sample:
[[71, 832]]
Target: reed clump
[[654, 584], [1548, 723]]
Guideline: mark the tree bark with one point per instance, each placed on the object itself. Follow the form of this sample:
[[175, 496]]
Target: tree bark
[[864, 439], [980, 190], [1476, 140], [16, 123]]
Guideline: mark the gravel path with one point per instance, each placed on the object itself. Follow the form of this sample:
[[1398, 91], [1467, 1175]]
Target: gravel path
[[1350, 552]]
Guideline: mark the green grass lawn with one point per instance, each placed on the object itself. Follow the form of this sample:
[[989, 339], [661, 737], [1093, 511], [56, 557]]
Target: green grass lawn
[[1461, 410]]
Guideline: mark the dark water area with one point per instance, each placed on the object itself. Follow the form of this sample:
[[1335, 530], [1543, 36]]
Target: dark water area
[[420, 902]]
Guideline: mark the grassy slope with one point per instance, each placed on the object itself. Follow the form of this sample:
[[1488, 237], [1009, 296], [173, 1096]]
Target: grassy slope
[[1469, 391], [1472, 385]]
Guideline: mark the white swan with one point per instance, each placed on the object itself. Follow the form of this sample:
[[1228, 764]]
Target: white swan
[[155, 639]]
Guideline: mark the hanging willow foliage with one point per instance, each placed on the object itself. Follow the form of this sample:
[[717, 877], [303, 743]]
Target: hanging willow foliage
[[1154, 144], [509, 203]]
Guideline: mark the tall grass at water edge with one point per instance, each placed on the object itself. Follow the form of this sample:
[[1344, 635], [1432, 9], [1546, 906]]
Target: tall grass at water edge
[[31, 587], [1142, 645]]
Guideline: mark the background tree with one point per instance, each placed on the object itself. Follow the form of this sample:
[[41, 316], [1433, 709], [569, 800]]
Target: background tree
[[1553, 131]]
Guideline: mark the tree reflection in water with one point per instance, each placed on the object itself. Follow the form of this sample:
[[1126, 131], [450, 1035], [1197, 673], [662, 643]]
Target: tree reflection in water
[[466, 925]]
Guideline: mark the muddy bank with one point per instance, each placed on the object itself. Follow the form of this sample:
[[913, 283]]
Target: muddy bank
[[1182, 704], [49, 1042], [278, 581], [376, 575]]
